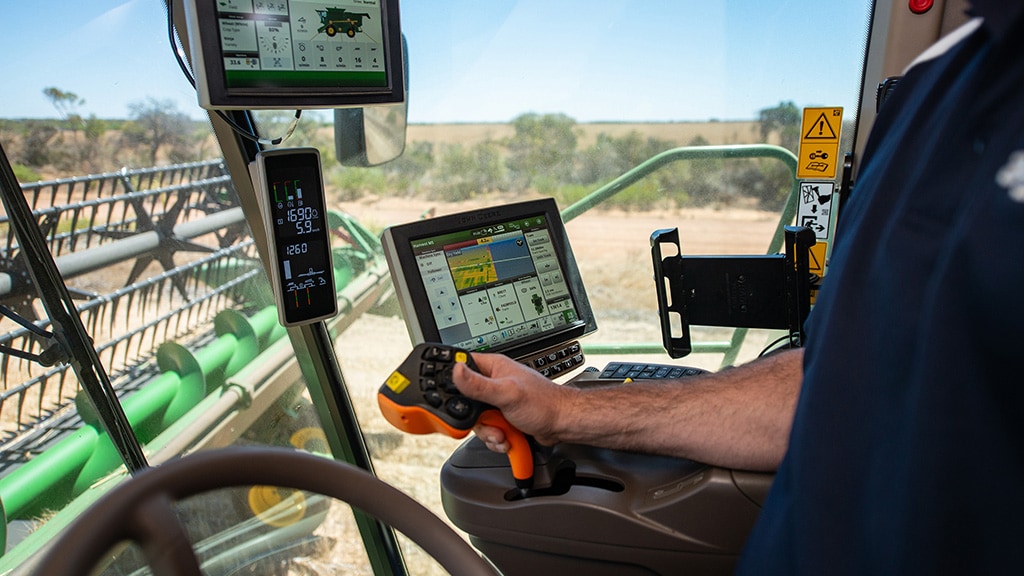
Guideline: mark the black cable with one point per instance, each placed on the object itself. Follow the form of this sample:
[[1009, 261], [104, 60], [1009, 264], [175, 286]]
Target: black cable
[[792, 342], [241, 131]]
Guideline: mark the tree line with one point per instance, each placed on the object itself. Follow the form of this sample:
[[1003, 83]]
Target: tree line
[[543, 155], [75, 143]]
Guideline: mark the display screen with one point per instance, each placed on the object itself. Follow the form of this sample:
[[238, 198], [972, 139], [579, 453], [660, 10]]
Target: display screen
[[298, 223], [262, 51], [493, 279]]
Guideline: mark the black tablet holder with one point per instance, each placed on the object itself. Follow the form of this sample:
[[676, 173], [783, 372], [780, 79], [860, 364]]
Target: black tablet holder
[[770, 291]]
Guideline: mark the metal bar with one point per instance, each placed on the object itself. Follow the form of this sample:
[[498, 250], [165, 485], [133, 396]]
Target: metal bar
[[329, 393], [599, 349], [115, 209], [731, 350], [674, 155], [92, 259], [68, 329], [380, 541]]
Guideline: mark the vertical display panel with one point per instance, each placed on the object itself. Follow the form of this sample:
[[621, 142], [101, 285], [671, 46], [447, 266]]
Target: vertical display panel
[[294, 209]]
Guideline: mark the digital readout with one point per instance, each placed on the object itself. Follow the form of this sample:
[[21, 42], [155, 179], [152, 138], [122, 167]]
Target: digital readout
[[300, 235]]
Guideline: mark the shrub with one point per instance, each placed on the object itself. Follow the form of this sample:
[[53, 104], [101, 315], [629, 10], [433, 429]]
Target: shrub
[[24, 174], [353, 183]]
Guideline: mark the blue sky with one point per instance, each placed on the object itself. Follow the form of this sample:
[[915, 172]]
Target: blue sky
[[486, 60]]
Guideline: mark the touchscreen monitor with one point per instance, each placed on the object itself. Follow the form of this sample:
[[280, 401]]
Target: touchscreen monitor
[[295, 53], [501, 279]]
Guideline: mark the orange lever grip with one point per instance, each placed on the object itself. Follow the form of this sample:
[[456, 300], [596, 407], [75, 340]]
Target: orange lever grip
[[416, 419], [520, 455]]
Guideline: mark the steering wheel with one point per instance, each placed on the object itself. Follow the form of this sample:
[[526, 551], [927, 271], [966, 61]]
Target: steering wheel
[[140, 509]]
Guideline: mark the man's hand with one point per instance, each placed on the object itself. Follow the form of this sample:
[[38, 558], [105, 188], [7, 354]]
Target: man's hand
[[737, 418], [528, 400]]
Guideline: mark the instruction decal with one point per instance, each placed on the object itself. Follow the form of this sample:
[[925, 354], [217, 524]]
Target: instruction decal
[[814, 209], [819, 143]]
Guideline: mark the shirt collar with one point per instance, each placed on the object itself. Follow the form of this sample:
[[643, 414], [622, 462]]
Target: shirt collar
[[999, 15]]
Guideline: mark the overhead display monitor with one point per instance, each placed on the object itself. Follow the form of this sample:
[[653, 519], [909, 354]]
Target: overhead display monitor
[[288, 54], [501, 279]]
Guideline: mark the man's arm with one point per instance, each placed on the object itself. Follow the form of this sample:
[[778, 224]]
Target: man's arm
[[737, 418]]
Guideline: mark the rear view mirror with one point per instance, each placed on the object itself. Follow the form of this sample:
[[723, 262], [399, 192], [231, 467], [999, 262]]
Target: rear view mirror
[[372, 135]]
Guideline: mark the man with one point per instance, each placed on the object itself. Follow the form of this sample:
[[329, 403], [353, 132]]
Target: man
[[897, 432]]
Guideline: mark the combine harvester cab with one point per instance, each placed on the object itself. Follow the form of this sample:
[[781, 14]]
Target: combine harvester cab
[[507, 180]]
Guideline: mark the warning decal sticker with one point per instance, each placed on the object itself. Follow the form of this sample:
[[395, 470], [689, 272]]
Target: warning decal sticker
[[819, 143]]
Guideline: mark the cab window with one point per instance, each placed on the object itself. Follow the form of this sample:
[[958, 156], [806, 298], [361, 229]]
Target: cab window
[[634, 116]]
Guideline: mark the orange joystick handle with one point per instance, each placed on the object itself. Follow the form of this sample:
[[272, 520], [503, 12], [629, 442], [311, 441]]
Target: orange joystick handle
[[520, 455], [420, 398]]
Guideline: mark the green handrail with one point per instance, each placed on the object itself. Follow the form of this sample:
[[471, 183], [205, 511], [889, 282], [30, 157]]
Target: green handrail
[[730, 349]]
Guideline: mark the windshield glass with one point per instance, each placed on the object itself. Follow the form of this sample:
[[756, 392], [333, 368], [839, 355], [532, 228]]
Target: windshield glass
[[507, 101], [514, 100]]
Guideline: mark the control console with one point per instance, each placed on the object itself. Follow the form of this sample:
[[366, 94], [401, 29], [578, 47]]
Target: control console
[[556, 361]]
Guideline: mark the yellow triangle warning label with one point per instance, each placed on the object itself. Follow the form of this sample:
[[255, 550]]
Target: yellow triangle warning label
[[818, 157], [817, 258], [821, 129]]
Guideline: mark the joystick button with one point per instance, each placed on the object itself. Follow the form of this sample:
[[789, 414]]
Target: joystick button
[[438, 353], [459, 408], [434, 398]]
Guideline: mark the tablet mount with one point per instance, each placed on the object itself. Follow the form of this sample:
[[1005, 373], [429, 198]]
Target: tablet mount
[[765, 291]]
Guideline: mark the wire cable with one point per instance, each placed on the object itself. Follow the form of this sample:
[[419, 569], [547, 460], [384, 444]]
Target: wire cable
[[179, 55], [792, 341]]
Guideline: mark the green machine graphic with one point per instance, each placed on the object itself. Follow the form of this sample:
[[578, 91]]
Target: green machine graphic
[[335, 20]]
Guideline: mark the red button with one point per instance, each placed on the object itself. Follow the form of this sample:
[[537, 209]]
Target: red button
[[921, 6]]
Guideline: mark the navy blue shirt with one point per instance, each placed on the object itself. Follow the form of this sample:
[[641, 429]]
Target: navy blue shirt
[[906, 454]]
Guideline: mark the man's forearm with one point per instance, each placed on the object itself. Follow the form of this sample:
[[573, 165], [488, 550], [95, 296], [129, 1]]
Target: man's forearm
[[738, 418]]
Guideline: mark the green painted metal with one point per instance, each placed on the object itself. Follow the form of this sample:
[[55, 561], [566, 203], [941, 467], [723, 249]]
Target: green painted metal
[[697, 153], [247, 342], [25, 551], [48, 473], [730, 350], [74, 464]]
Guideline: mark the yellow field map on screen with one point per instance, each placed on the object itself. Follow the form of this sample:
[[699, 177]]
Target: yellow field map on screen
[[472, 267]]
